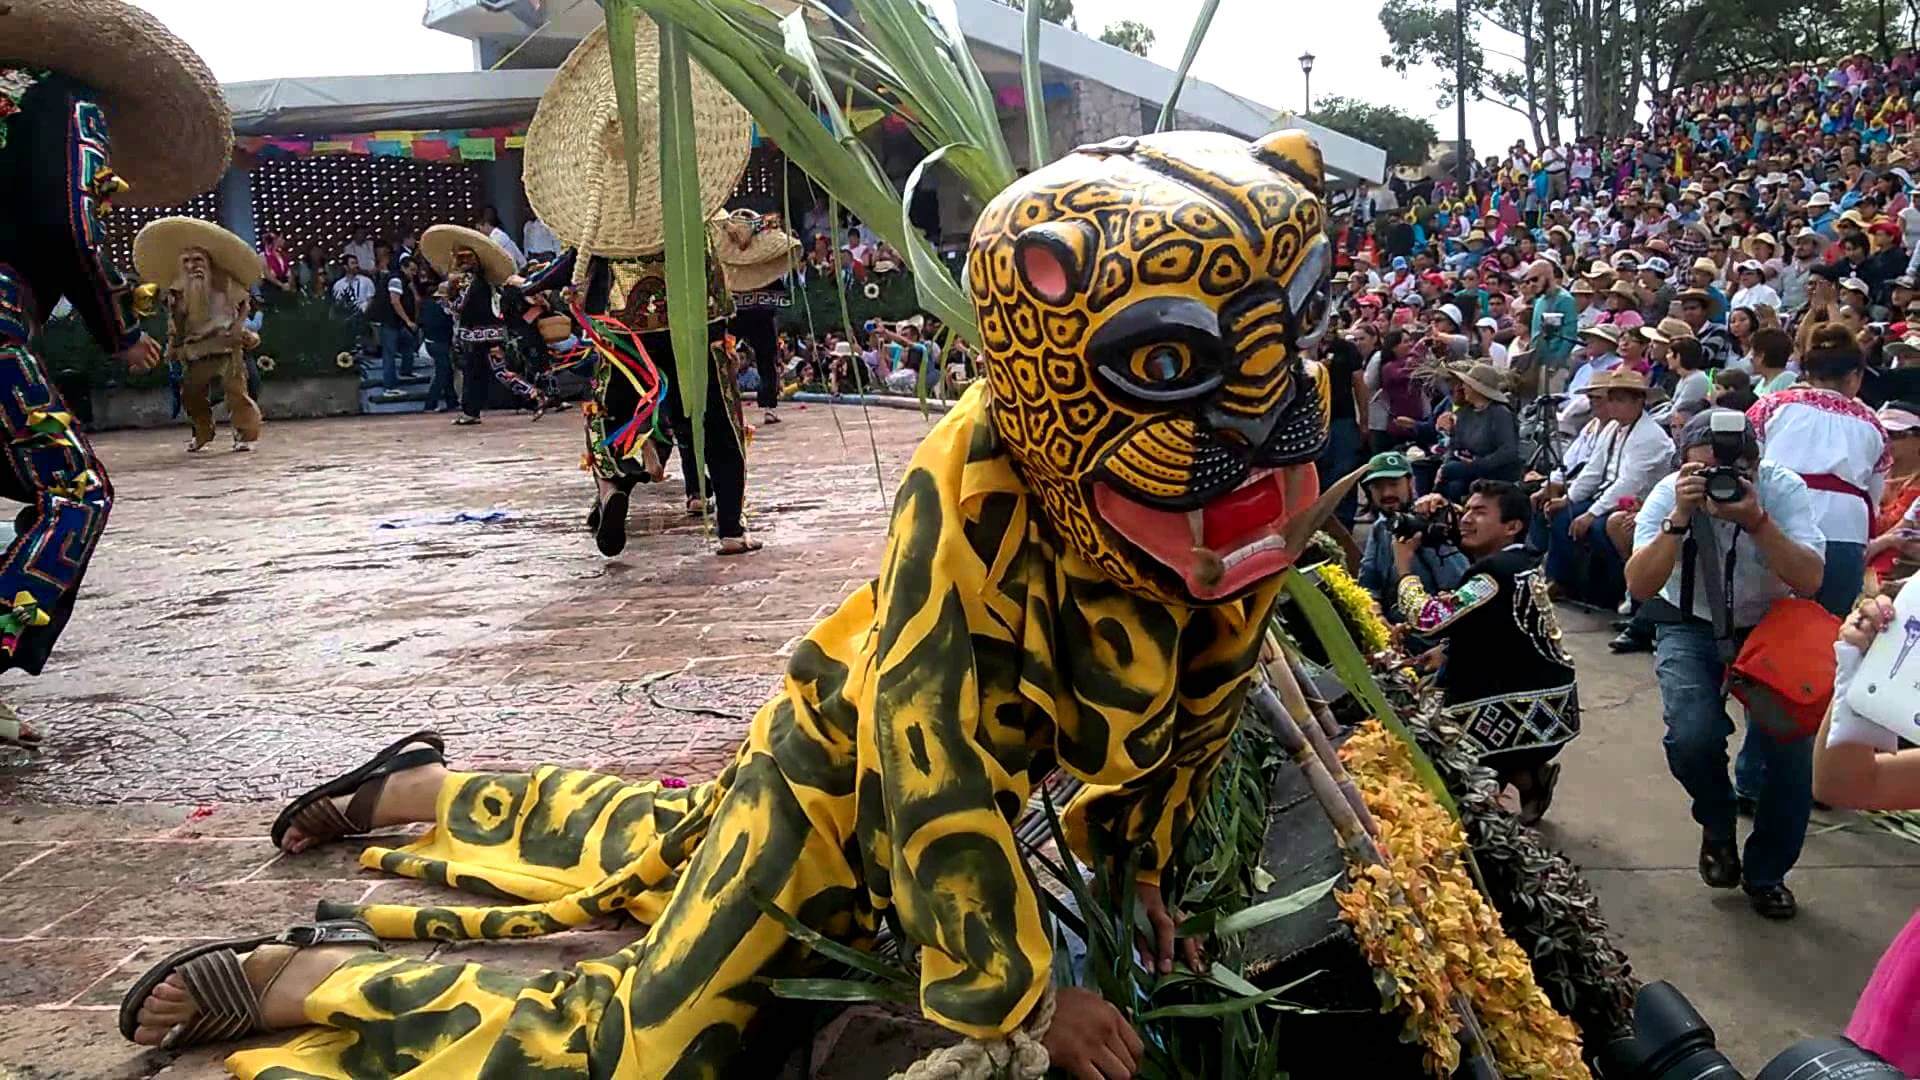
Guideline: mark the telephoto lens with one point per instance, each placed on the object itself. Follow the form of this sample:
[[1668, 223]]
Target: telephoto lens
[[1828, 1059]]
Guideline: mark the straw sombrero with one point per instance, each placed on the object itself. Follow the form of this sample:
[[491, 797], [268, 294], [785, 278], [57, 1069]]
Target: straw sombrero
[[157, 249], [575, 165], [440, 242], [172, 133], [766, 256]]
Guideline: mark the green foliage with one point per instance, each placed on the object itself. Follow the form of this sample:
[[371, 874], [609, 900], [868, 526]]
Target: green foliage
[[1130, 34], [1053, 11], [302, 334], [1407, 139]]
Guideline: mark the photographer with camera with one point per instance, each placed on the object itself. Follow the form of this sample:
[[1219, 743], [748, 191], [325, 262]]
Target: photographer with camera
[[1506, 681], [1714, 546], [1388, 483]]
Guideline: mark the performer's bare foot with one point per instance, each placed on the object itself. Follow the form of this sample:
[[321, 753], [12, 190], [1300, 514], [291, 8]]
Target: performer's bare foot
[[15, 731], [408, 798], [282, 1004]]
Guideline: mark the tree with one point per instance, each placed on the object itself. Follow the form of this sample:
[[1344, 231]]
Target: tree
[[1407, 139], [1595, 61], [1129, 34], [1053, 11]]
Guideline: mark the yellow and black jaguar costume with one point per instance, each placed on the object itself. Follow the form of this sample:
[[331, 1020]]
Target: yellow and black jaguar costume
[[1082, 560]]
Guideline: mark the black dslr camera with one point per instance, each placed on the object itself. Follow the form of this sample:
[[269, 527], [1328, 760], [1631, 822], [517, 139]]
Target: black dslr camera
[[1725, 482], [1441, 528], [1672, 1041]]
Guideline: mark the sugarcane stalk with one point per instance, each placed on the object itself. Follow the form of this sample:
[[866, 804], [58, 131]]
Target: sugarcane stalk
[[1322, 709], [1293, 702], [1356, 841]]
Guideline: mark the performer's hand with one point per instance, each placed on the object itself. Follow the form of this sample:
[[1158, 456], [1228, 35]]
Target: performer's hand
[[141, 356], [1157, 954], [1089, 1039]]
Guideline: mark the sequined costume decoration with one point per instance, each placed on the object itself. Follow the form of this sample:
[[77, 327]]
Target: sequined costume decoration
[[56, 180], [883, 780], [1508, 681]]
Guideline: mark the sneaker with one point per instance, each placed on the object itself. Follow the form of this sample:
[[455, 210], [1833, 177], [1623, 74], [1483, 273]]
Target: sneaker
[[242, 448], [1625, 608], [1719, 861], [1772, 901], [1629, 642], [393, 394], [464, 420]]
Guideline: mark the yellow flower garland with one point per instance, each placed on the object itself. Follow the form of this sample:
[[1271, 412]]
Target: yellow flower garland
[[1357, 604], [1423, 846]]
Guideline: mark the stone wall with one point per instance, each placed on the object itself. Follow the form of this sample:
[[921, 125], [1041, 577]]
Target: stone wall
[[291, 399]]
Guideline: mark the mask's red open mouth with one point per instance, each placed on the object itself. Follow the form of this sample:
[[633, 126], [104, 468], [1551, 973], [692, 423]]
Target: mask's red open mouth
[[1227, 545]]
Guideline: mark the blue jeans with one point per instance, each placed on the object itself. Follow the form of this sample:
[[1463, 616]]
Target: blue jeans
[[441, 392], [397, 350], [1342, 455], [1687, 665]]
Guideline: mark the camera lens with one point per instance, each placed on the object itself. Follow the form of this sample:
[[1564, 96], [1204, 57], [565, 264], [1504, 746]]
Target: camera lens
[[1828, 1059], [1723, 485]]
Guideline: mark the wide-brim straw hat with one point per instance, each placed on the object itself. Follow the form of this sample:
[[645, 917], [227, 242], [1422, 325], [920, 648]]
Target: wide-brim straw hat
[[576, 165], [1618, 379], [1484, 378], [159, 244], [440, 242], [766, 257], [172, 131]]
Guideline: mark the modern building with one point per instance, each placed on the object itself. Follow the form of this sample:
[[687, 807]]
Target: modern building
[[321, 159]]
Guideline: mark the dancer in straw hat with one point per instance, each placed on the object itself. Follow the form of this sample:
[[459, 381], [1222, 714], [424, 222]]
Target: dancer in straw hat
[[209, 272], [71, 71], [756, 253], [576, 181], [484, 347]]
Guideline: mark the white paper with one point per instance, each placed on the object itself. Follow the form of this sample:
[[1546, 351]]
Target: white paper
[[1887, 688]]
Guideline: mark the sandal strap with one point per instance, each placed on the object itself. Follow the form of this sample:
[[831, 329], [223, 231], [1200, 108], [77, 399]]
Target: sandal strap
[[228, 1006], [326, 822]]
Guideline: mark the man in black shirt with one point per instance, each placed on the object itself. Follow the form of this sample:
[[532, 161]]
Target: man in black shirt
[[392, 312], [1346, 431]]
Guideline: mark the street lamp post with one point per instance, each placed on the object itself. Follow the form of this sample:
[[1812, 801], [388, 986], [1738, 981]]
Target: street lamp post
[[1306, 68]]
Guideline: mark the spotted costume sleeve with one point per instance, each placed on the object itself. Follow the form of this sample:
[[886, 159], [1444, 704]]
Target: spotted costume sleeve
[[936, 801], [1429, 614]]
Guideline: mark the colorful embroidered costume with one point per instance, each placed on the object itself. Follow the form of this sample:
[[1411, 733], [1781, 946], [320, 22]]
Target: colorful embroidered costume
[[1080, 569], [55, 180], [1507, 680]]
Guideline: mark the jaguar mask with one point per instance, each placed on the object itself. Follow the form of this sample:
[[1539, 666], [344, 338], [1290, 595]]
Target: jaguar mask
[[1143, 306]]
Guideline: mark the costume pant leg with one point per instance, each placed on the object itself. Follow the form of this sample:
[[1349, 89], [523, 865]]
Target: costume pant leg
[[241, 407], [476, 376], [726, 463], [53, 470], [678, 1002], [196, 389], [758, 326]]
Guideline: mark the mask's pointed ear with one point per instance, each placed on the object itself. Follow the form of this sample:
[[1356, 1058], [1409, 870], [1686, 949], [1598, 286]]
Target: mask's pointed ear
[[1294, 152], [1055, 260]]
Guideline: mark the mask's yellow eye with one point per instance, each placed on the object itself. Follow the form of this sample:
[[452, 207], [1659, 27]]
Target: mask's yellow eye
[[1161, 362]]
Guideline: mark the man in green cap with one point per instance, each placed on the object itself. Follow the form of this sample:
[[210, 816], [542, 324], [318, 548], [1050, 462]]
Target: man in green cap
[[1388, 484]]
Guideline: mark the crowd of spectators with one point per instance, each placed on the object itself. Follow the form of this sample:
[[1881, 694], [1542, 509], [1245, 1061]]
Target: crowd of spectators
[[1583, 319]]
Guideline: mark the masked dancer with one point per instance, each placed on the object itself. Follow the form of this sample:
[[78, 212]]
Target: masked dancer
[[1080, 570], [210, 272], [485, 349], [69, 71]]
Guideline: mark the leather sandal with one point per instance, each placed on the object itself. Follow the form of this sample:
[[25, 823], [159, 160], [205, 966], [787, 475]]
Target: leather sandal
[[229, 1005], [318, 817]]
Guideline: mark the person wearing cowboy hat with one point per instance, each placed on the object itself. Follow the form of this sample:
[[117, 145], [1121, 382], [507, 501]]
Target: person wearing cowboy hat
[[208, 272], [1796, 273], [1483, 436], [100, 107], [1754, 290], [1602, 344], [1695, 308], [486, 349], [1587, 548]]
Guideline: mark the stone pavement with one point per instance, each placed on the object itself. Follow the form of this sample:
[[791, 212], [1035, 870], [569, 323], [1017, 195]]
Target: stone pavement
[[255, 624]]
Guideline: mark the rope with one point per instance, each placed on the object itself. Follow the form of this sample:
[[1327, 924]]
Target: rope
[[1019, 1056]]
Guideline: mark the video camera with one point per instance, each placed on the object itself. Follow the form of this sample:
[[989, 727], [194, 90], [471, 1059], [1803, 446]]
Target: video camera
[[1672, 1041], [1725, 482], [1439, 529]]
